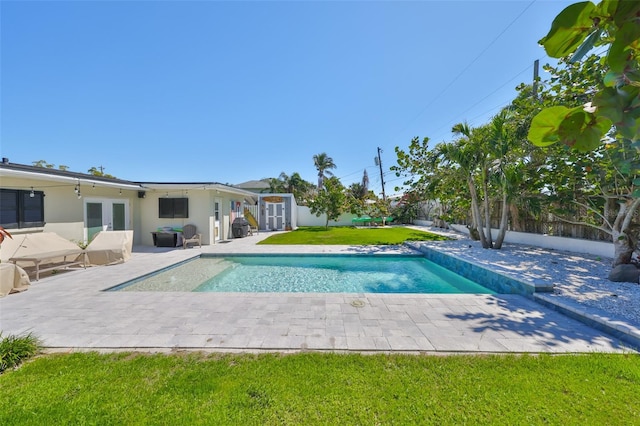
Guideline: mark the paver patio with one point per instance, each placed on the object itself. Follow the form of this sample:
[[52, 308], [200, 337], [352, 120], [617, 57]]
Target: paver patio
[[69, 311]]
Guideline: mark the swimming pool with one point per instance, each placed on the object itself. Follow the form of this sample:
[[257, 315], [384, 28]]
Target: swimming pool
[[308, 274]]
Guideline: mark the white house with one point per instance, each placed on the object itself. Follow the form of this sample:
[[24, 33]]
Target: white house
[[78, 205]]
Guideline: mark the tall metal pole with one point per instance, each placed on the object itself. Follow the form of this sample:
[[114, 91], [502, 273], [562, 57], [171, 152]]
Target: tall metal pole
[[384, 197], [536, 65]]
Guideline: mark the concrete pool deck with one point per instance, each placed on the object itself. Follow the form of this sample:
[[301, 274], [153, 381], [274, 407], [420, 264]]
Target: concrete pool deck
[[69, 311]]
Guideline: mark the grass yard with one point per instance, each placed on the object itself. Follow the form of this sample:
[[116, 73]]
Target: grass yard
[[345, 235], [314, 388]]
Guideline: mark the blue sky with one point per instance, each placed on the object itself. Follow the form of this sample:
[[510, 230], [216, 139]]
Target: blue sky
[[232, 91]]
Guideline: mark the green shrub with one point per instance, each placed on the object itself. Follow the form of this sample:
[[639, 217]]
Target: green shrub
[[14, 349]]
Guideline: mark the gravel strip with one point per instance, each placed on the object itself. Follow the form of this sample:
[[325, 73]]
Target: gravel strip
[[579, 278]]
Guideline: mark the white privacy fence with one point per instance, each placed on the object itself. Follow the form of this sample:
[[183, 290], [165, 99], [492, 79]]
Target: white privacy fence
[[576, 245], [253, 209], [306, 218]]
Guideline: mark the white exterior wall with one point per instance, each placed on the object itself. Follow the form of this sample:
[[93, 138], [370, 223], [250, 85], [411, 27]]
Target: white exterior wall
[[294, 213], [576, 245], [72, 231], [200, 213], [306, 218], [63, 210], [61, 204]]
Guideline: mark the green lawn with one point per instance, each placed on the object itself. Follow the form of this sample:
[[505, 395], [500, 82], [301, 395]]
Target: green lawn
[[314, 388], [344, 235]]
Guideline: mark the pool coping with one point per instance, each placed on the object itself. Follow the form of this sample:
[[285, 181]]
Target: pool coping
[[484, 276], [538, 291], [595, 318]]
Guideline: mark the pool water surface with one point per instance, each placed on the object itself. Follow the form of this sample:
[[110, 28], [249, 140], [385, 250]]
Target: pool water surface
[[308, 274]]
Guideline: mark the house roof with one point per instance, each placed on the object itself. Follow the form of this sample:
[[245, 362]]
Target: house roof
[[161, 186], [253, 184], [33, 172]]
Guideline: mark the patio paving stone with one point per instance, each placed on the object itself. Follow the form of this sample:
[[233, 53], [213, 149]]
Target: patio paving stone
[[71, 311]]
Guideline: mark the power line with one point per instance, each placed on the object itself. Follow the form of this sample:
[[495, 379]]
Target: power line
[[468, 66], [483, 113], [357, 171], [503, 104], [486, 97]]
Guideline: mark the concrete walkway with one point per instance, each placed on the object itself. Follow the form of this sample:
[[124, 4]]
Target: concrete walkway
[[69, 311]]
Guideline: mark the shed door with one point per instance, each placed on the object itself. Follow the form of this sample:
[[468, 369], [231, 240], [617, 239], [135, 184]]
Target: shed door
[[275, 216]]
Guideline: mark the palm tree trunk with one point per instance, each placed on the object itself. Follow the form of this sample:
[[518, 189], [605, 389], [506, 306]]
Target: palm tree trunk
[[487, 210], [516, 223], [475, 211], [503, 218]]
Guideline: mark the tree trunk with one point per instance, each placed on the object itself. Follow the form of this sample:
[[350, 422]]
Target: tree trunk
[[622, 248], [487, 211], [475, 210], [515, 217], [503, 219]]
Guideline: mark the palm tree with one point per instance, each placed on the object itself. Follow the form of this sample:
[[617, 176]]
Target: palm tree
[[365, 181], [465, 154], [275, 184], [504, 166], [285, 182], [323, 163], [487, 156], [295, 185], [358, 191]]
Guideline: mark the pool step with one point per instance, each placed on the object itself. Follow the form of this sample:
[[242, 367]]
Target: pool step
[[186, 277]]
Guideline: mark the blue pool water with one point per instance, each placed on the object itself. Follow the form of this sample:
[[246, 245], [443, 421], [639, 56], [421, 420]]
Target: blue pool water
[[310, 274]]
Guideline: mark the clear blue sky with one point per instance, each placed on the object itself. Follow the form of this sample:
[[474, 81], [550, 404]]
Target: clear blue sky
[[234, 91]]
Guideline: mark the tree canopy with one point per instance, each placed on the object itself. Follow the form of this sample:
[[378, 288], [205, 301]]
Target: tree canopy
[[330, 202], [581, 181], [45, 164], [294, 184], [613, 108], [323, 163]]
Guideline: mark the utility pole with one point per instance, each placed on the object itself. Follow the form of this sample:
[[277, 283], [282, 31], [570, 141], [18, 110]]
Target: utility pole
[[536, 65], [379, 163]]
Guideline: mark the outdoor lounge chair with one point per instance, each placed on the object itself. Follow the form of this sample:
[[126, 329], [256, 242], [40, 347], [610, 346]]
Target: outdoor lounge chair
[[13, 279], [42, 251], [110, 248], [189, 235]]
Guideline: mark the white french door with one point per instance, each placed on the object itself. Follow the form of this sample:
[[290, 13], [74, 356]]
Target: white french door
[[105, 215], [275, 216]]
